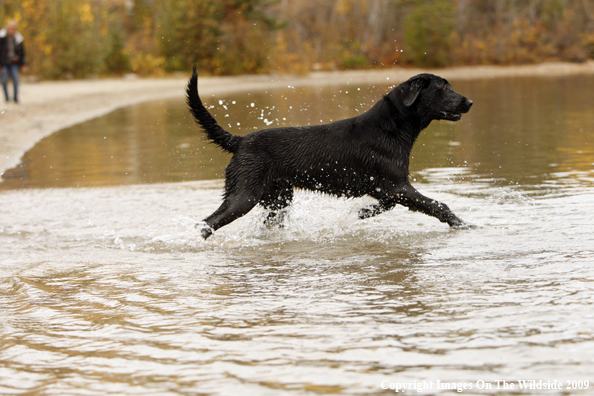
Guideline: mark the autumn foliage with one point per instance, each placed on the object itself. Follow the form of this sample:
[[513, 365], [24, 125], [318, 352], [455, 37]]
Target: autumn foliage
[[81, 38]]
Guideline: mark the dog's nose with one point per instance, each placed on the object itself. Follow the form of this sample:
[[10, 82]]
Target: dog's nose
[[469, 102]]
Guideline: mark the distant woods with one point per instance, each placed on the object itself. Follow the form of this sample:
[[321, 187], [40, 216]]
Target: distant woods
[[81, 38]]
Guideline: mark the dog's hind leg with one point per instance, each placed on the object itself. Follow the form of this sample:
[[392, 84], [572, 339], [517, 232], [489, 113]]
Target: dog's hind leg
[[375, 209], [385, 203], [276, 201], [231, 209]]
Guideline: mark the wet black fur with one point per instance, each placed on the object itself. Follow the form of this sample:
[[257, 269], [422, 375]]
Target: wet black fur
[[364, 155]]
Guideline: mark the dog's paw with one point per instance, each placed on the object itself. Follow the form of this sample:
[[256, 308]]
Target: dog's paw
[[457, 223], [368, 211], [275, 219], [205, 231], [464, 226], [364, 213]]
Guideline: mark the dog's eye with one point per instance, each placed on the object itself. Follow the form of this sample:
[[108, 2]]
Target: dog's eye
[[445, 87]]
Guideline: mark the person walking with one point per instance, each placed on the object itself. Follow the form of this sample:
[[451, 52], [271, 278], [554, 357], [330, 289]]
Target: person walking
[[12, 57]]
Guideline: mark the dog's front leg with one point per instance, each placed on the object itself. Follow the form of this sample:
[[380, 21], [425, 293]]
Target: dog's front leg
[[408, 196]]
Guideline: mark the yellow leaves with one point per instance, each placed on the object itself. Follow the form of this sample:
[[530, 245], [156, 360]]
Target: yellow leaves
[[147, 64], [343, 7], [28, 5], [18, 17], [41, 41], [86, 16], [588, 40]]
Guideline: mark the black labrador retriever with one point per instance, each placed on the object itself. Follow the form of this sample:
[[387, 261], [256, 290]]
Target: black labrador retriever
[[366, 154]]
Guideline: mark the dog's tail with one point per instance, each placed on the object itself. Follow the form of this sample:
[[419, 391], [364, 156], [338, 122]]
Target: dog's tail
[[214, 132]]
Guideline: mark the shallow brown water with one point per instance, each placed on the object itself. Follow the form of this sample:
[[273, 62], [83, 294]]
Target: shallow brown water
[[107, 288], [520, 131]]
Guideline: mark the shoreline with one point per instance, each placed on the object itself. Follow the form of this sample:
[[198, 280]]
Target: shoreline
[[48, 107]]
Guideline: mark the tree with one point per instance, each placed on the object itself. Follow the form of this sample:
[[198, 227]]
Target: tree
[[427, 33]]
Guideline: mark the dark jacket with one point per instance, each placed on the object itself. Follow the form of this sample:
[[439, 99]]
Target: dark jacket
[[19, 48]]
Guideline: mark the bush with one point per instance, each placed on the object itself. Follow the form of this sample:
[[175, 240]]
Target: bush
[[427, 33]]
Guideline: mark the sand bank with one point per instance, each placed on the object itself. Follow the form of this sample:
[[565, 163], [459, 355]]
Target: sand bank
[[47, 107]]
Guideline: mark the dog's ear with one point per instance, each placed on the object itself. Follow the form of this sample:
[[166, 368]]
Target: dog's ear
[[411, 90]]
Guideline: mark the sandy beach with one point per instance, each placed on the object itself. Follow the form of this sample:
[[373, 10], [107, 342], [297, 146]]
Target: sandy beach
[[47, 107]]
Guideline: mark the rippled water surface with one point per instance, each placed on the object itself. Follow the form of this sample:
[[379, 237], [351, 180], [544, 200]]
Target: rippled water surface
[[107, 288]]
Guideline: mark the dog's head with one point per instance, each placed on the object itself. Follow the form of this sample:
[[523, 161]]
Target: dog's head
[[431, 97]]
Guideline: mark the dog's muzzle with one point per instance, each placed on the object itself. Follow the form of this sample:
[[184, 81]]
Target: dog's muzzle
[[455, 116]]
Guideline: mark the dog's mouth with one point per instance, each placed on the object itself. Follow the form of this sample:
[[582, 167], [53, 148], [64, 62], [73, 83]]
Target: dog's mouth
[[450, 116]]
